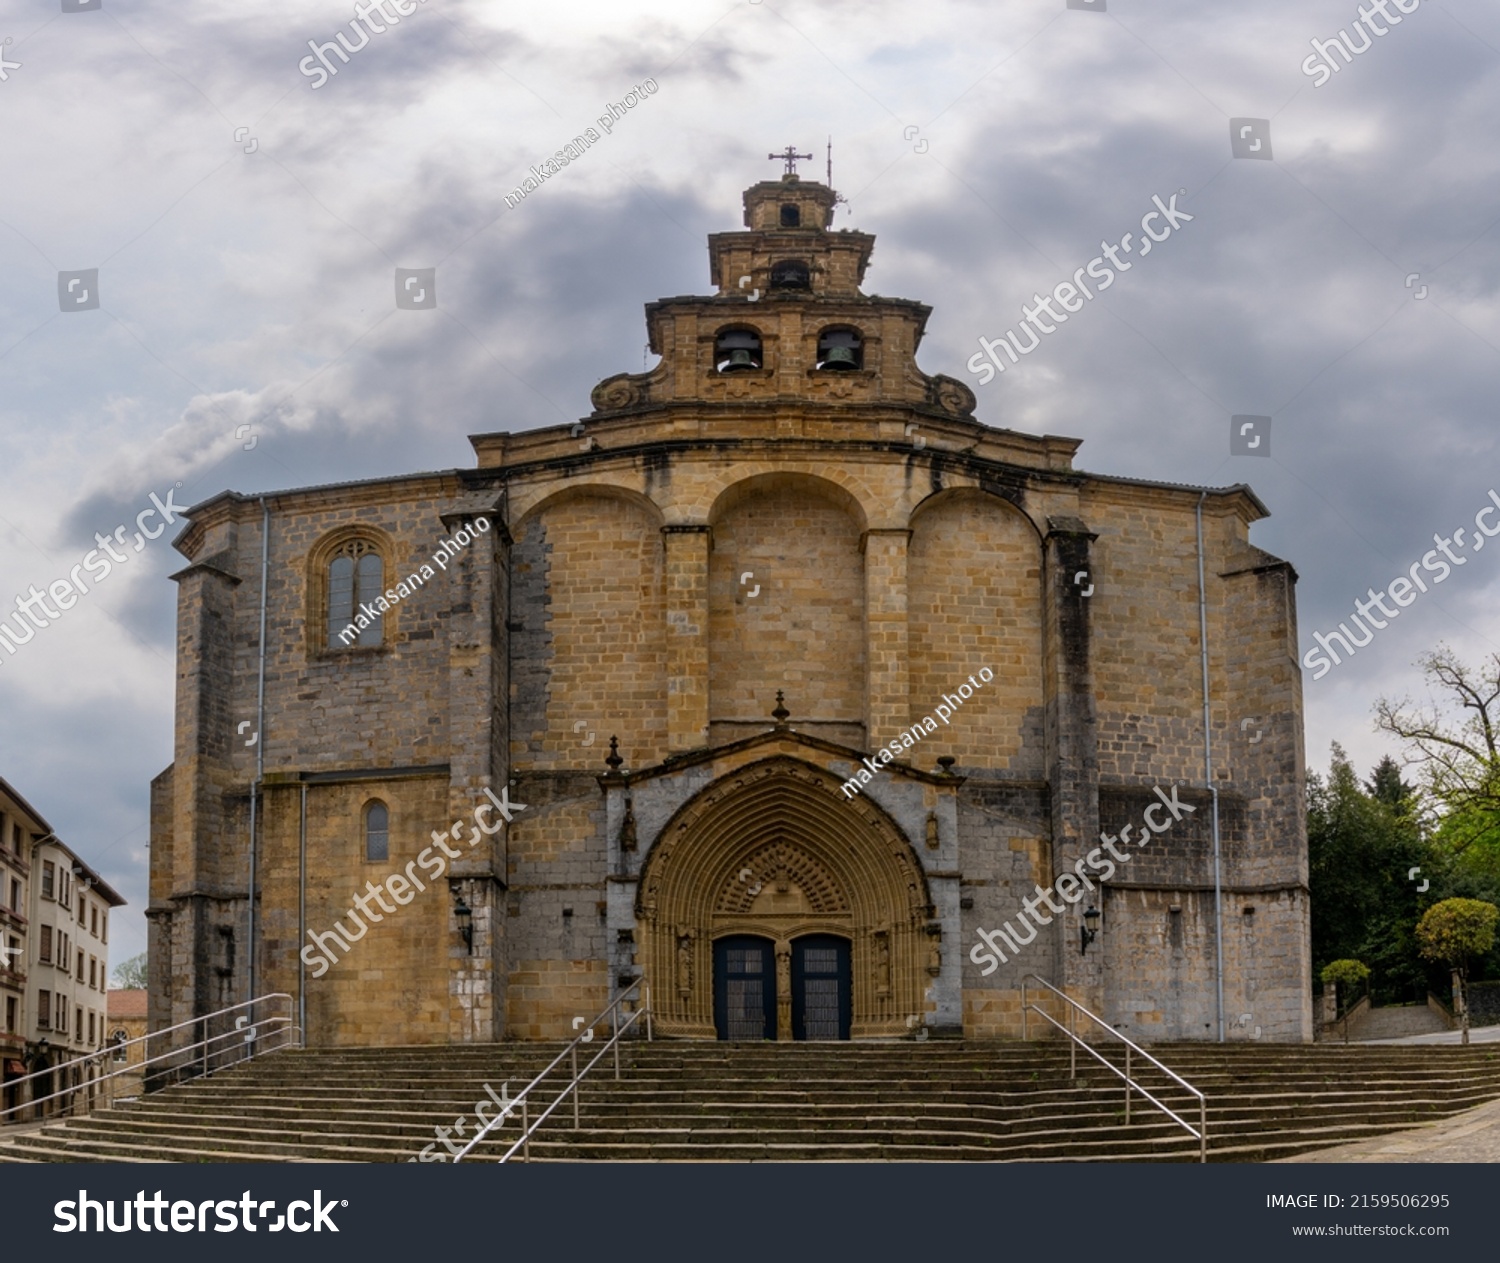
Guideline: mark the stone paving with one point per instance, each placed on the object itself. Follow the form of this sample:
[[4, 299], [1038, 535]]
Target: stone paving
[[1477, 1035], [1473, 1136]]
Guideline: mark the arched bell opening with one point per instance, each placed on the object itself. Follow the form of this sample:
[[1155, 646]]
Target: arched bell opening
[[737, 350], [841, 349]]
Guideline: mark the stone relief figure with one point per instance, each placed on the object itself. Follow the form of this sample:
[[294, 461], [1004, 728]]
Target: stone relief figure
[[932, 830], [784, 970], [627, 828], [882, 962], [684, 961]]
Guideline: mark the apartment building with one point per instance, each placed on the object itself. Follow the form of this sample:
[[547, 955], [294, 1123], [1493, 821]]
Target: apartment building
[[68, 962], [20, 826]]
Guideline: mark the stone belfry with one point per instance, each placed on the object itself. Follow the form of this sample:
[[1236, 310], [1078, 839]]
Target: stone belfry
[[809, 333]]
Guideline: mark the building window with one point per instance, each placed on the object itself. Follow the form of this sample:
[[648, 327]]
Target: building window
[[841, 349], [61, 1015], [94, 920], [791, 216], [736, 350], [14, 954], [356, 576], [15, 896], [45, 945], [49, 876], [15, 838], [118, 1038], [91, 1028], [93, 973], [377, 831], [790, 274], [10, 1014], [82, 908], [44, 1010], [80, 966], [78, 1022]]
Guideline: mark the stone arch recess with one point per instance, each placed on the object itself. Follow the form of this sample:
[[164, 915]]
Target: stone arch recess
[[853, 873]]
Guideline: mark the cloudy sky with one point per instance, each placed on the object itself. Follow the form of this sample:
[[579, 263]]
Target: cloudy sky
[[245, 227]]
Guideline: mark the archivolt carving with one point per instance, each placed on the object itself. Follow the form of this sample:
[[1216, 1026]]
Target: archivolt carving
[[774, 849], [777, 864]]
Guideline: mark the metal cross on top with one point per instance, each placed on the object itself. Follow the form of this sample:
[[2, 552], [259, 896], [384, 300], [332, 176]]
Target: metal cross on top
[[790, 158]]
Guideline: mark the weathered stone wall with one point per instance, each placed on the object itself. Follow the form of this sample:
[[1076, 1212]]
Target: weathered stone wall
[[975, 601], [593, 612], [804, 630], [555, 906]]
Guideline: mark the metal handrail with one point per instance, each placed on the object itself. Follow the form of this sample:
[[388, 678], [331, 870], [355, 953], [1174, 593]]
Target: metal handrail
[[281, 1026], [1200, 1133], [528, 1127]]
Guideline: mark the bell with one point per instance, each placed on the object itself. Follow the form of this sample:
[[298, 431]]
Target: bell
[[840, 357], [739, 358]]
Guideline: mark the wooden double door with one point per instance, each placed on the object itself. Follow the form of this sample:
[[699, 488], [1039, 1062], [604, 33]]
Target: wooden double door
[[751, 974]]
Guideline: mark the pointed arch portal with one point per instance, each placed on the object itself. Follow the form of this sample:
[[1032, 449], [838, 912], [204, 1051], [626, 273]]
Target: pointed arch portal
[[770, 893]]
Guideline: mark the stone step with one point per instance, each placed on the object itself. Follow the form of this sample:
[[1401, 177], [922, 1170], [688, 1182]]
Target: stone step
[[942, 1100]]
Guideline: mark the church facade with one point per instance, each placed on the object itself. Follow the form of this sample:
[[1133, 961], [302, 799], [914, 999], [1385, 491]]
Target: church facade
[[797, 685]]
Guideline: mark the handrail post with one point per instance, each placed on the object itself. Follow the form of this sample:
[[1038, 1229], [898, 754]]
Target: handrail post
[[647, 990], [525, 1132], [1072, 1044], [1127, 1083], [617, 1045], [576, 1086], [1202, 1129], [1025, 1034]]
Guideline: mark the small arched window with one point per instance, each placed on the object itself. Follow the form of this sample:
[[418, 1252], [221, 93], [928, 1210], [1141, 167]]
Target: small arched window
[[377, 831], [791, 216], [356, 575], [841, 349], [117, 1042], [736, 350], [790, 274]]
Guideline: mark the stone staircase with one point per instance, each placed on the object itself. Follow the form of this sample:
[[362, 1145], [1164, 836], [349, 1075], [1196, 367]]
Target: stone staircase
[[702, 1102]]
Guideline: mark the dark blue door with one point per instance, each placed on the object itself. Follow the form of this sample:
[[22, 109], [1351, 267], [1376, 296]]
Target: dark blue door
[[821, 999], [745, 988]]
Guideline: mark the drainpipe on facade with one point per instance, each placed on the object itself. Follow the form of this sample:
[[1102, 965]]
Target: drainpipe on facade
[[302, 918], [260, 722], [1208, 779]]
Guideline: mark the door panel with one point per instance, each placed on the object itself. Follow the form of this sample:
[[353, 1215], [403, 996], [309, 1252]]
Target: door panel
[[745, 988], [821, 987]]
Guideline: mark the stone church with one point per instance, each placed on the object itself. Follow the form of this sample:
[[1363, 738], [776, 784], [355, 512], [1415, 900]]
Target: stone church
[[702, 642]]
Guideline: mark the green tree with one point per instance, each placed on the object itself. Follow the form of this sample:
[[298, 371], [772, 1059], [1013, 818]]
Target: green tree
[[131, 974], [1454, 741], [1455, 932], [1362, 844]]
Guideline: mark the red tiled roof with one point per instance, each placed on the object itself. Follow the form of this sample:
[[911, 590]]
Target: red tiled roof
[[125, 1004]]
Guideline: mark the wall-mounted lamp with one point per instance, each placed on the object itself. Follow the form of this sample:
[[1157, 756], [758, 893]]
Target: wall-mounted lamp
[[1089, 930], [465, 915]]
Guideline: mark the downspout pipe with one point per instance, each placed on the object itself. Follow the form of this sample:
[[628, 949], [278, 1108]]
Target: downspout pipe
[[1208, 779], [302, 918], [260, 723]]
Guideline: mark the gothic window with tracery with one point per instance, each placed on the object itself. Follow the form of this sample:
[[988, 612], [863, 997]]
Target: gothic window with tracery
[[356, 574]]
